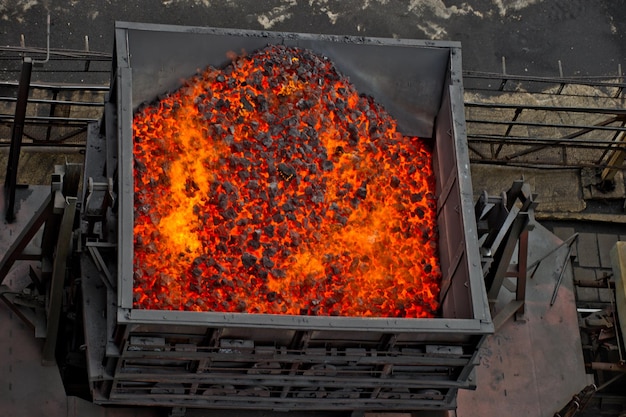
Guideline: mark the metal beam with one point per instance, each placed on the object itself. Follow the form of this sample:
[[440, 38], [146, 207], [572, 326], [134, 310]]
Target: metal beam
[[25, 236], [58, 280], [10, 181]]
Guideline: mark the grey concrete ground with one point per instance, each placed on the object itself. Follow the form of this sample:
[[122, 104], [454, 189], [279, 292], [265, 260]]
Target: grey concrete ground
[[586, 35]]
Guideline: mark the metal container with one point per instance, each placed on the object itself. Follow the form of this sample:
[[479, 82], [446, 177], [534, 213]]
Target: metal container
[[236, 360]]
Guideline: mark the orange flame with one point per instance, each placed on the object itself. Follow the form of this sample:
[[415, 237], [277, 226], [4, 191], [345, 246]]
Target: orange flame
[[272, 187]]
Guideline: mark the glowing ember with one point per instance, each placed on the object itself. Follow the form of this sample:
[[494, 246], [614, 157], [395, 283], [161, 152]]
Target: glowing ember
[[271, 186]]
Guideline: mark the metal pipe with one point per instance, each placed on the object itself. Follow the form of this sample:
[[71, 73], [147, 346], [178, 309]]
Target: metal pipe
[[521, 140], [617, 331], [47, 45], [72, 54], [63, 120], [77, 87], [588, 81], [514, 122], [57, 280], [10, 182], [537, 164], [596, 110], [569, 241], [561, 274], [606, 366], [46, 148], [66, 102], [609, 382], [593, 284]]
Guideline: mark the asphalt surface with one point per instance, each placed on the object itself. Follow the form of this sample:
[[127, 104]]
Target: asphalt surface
[[587, 36]]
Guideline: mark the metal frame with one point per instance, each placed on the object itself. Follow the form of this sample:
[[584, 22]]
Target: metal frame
[[10, 181], [495, 137], [146, 356], [450, 106], [44, 112]]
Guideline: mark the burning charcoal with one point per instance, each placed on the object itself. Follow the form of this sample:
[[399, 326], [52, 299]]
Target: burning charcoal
[[262, 104], [288, 206], [222, 104], [229, 139], [335, 269], [293, 132], [291, 121], [341, 219], [282, 230], [272, 218], [296, 240], [416, 197], [229, 213], [272, 189], [327, 165], [303, 104], [140, 166], [237, 147], [269, 252], [278, 273], [269, 231], [318, 197], [266, 140], [286, 172], [222, 201], [248, 260], [246, 104], [361, 192], [276, 130], [262, 274], [257, 218], [267, 262]]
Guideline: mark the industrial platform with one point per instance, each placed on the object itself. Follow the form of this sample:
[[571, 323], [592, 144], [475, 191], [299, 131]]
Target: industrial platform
[[561, 136]]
